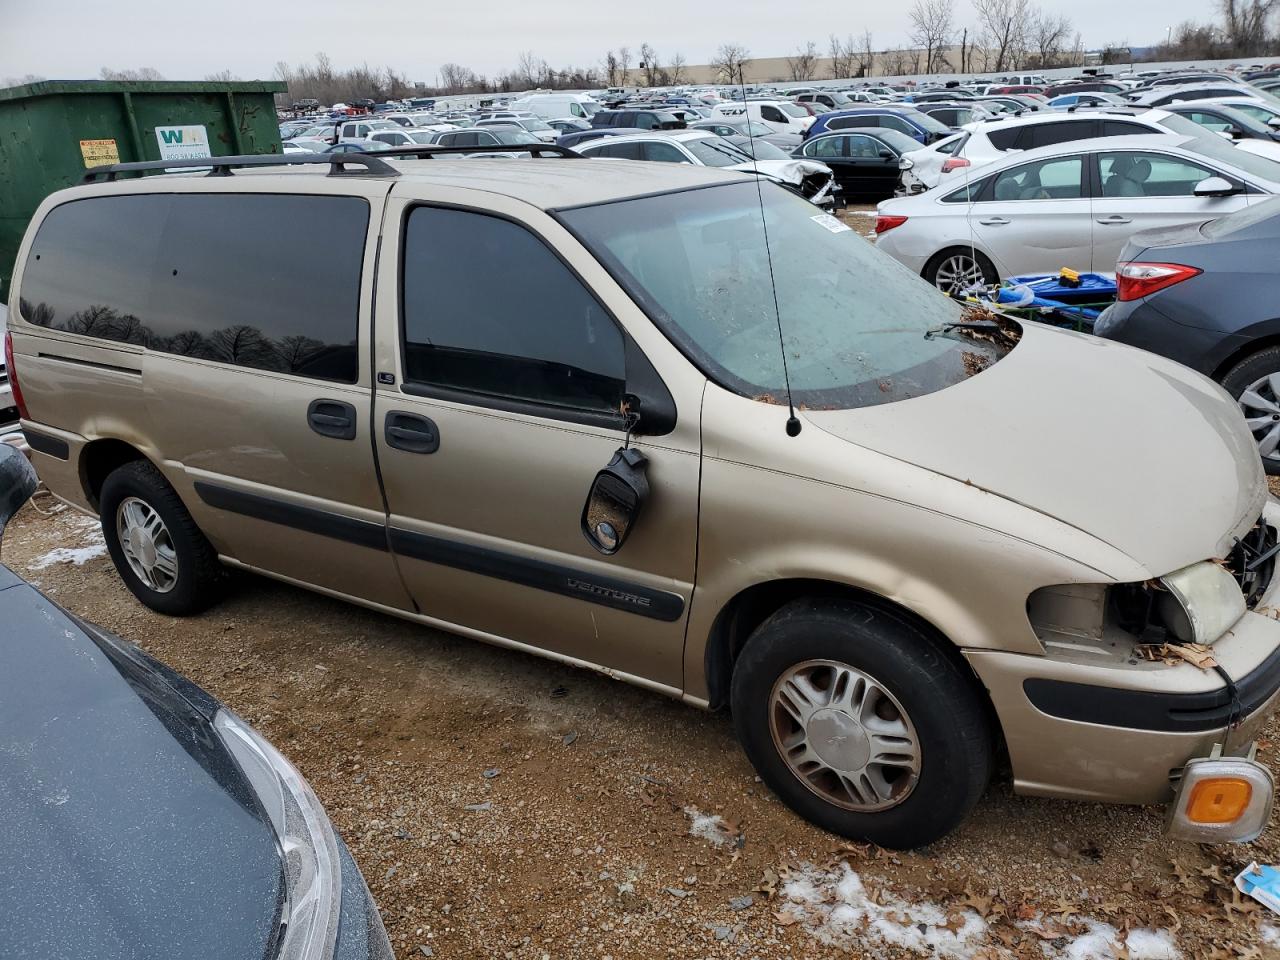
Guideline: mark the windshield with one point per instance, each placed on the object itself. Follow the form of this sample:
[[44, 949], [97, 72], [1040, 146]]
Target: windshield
[[791, 110], [589, 107], [754, 129], [897, 139], [716, 152], [853, 320], [928, 122], [1256, 110], [514, 136], [1224, 151], [535, 124], [383, 125], [420, 136], [764, 150]]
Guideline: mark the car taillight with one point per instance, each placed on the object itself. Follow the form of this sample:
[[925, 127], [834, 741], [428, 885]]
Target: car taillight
[[884, 222], [13, 376], [1137, 280], [954, 163]]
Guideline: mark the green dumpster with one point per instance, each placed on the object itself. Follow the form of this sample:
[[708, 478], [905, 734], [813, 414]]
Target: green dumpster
[[51, 132]]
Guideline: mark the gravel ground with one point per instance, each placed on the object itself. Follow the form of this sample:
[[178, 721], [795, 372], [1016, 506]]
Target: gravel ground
[[500, 805]]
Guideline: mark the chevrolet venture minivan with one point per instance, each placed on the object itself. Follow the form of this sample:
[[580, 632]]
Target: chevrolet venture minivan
[[544, 403]]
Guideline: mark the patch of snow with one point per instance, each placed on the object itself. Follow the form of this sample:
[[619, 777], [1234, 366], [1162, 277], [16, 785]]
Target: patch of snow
[[1270, 934], [1151, 945], [835, 907], [84, 529], [708, 826]]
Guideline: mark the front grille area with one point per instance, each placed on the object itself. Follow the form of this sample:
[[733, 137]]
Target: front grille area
[[1253, 561]]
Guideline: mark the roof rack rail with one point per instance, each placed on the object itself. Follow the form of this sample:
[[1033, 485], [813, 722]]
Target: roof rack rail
[[222, 166], [427, 151]]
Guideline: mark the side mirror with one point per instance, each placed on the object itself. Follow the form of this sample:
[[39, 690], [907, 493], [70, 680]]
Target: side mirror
[[1215, 187], [615, 500], [17, 482], [1274, 123], [888, 155]]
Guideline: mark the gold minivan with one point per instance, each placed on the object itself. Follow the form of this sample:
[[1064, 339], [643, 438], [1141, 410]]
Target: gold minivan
[[544, 403]]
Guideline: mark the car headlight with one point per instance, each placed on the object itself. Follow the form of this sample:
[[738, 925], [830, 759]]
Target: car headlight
[[905, 163], [313, 872], [1200, 602]]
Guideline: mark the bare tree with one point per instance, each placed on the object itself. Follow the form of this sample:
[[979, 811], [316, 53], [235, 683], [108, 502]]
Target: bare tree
[[624, 64], [931, 22], [611, 67], [649, 65], [866, 56], [676, 74], [1245, 25], [23, 80], [1005, 25], [531, 69], [841, 57], [140, 73], [803, 65], [222, 76], [1049, 34], [730, 61]]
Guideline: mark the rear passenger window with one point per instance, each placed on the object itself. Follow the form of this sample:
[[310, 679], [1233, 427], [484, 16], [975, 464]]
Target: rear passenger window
[[664, 153], [1046, 134], [1004, 139], [537, 337], [1122, 128], [258, 280]]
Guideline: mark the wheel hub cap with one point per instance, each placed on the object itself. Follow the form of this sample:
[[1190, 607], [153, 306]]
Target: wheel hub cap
[[844, 735], [839, 740], [146, 544]]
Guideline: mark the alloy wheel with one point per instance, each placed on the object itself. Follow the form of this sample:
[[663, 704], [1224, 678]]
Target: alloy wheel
[[146, 544], [959, 273], [1260, 404], [844, 736]]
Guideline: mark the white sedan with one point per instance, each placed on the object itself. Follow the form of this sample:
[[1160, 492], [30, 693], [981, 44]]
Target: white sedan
[[1068, 205]]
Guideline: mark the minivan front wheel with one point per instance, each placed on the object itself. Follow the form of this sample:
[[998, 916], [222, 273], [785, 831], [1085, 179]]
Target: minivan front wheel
[[860, 723], [158, 550]]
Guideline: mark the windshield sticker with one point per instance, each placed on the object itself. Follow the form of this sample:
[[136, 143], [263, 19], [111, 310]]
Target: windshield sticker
[[831, 223]]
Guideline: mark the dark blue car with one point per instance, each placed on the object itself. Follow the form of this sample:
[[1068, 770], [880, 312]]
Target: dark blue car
[[142, 818], [1207, 294], [918, 126]]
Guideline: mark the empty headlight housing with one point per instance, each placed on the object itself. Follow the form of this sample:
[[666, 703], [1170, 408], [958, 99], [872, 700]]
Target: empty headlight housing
[[313, 872]]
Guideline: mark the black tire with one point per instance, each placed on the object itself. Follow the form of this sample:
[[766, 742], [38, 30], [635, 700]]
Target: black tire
[[930, 272], [200, 580], [1247, 372], [942, 700]]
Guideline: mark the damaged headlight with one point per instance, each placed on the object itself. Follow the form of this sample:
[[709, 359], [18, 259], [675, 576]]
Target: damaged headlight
[[1199, 603], [313, 872]]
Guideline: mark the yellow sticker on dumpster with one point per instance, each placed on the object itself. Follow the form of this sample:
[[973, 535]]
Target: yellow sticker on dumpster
[[98, 152]]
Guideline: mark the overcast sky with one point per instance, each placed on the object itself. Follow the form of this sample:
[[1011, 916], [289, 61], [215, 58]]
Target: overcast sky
[[70, 39]]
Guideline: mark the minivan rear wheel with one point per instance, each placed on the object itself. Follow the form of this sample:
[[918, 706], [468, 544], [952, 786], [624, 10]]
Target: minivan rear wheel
[[1255, 384], [860, 723], [158, 550], [958, 269]]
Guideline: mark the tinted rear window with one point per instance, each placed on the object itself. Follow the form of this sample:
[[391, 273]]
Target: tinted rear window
[[258, 280]]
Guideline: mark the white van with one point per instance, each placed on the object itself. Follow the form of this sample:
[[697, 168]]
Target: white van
[[556, 106], [778, 115]]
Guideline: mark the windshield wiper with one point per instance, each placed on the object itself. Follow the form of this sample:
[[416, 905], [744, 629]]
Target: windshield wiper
[[987, 326]]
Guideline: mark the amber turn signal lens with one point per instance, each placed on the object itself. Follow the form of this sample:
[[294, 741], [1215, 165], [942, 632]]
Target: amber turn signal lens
[[1220, 800]]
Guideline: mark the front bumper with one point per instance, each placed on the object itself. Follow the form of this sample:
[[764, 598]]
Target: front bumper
[[1125, 732]]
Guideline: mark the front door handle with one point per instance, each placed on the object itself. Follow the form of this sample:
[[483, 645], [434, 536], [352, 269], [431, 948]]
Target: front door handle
[[994, 221], [1115, 218], [332, 418], [411, 433]]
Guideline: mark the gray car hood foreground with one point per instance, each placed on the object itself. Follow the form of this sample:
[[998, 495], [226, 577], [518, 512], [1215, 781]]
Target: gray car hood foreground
[[1140, 452], [126, 829]]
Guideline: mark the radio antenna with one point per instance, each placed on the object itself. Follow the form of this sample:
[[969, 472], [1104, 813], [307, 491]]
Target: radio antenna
[[793, 422]]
